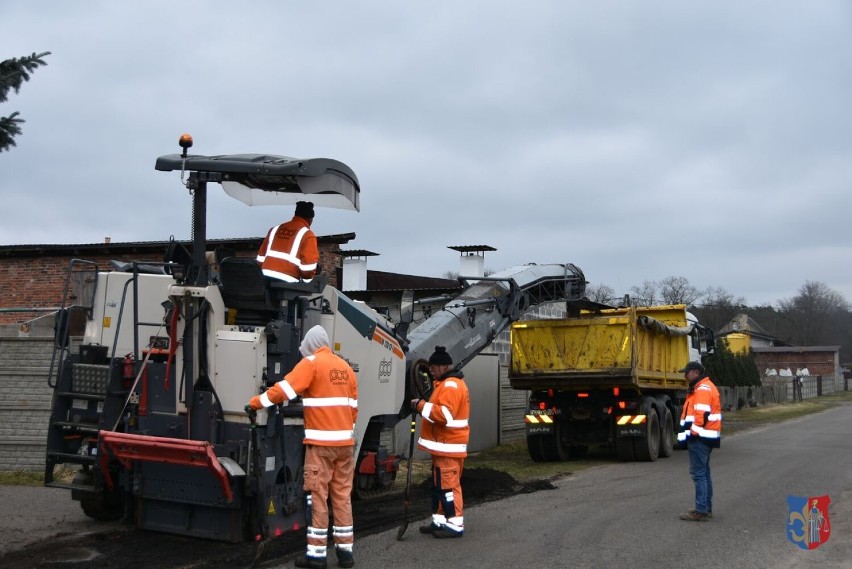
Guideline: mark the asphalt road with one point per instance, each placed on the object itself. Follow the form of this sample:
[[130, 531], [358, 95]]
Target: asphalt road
[[626, 515], [619, 515]]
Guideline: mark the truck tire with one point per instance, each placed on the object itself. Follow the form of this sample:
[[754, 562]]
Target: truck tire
[[667, 434], [105, 505], [547, 448], [647, 447]]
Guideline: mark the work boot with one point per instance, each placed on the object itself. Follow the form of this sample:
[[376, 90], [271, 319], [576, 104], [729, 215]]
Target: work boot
[[444, 531], [311, 562], [430, 529], [694, 516], [345, 558]]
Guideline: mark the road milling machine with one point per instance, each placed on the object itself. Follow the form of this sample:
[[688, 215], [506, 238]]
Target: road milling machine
[[149, 404]]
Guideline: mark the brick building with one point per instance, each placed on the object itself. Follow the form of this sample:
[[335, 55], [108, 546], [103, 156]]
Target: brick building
[[817, 360], [32, 277]]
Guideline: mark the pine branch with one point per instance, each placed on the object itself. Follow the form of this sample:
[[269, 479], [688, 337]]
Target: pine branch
[[14, 72], [9, 129]]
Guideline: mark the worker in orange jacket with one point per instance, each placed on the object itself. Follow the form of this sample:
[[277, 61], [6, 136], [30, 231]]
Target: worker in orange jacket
[[701, 432], [444, 433], [329, 391], [290, 252]]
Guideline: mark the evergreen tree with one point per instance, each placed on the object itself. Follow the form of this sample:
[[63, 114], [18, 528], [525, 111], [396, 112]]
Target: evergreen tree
[[732, 370], [13, 73]]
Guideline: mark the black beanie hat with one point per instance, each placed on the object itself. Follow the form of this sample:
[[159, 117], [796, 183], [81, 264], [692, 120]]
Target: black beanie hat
[[440, 357], [305, 209]]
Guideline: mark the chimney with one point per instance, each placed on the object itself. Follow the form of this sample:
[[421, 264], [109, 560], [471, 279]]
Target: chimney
[[355, 269], [472, 259], [107, 240]]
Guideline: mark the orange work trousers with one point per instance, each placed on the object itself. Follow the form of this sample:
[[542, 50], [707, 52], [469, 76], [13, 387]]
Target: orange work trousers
[[329, 473], [446, 479]]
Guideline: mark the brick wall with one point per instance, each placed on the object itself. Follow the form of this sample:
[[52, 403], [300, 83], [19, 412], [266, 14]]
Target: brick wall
[[36, 278], [817, 362]]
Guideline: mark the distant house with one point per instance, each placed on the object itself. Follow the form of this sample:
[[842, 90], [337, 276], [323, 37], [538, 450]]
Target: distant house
[[743, 332], [777, 358], [382, 291], [788, 361]]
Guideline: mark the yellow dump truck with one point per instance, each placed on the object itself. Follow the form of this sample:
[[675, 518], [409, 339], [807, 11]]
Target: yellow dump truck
[[605, 377]]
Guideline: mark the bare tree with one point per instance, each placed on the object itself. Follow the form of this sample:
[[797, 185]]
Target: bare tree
[[718, 307], [677, 290], [815, 315], [601, 293], [645, 295]]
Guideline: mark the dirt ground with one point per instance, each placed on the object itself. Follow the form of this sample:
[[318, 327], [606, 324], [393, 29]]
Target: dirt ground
[[117, 546]]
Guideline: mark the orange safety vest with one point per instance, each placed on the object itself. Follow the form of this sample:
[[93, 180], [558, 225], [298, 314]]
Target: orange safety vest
[[702, 414], [329, 389], [445, 430], [289, 252]]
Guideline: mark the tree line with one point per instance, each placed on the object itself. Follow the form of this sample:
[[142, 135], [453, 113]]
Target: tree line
[[816, 316]]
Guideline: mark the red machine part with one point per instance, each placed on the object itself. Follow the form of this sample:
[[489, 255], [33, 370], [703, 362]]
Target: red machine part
[[126, 448]]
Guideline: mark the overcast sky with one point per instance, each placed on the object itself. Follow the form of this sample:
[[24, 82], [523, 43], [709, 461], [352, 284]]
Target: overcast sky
[[637, 140]]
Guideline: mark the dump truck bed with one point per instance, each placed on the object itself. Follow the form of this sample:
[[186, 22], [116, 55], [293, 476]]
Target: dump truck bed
[[636, 346]]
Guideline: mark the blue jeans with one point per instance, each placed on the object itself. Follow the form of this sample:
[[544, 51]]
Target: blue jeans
[[699, 470]]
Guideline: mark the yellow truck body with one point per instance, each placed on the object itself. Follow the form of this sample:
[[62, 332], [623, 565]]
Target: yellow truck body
[[620, 347]]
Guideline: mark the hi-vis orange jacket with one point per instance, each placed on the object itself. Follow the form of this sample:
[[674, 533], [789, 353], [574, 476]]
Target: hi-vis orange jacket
[[289, 252], [445, 430], [702, 414], [329, 391]]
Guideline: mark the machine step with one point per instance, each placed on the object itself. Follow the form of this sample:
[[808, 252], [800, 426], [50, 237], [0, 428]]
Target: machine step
[[69, 486], [62, 457], [89, 396], [84, 427]]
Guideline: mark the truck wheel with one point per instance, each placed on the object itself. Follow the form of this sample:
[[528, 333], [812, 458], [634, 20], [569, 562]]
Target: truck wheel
[[667, 434], [103, 506], [647, 447], [547, 448]]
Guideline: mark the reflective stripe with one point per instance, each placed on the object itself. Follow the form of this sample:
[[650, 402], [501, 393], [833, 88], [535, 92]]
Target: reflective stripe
[[329, 436], [330, 402], [705, 433], [264, 400], [702, 407], [450, 383], [287, 389], [456, 524], [452, 423], [269, 238], [281, 276], [293, 255], [427, 411], [342, 531], [445, 447], [714, 417]]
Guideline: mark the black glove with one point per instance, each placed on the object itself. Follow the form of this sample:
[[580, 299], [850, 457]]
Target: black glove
[[250, 412]]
